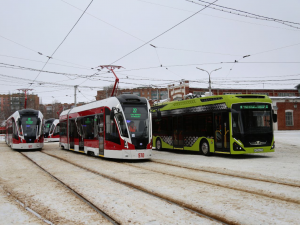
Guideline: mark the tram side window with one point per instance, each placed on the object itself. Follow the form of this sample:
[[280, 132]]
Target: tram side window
[[52, 128], [56, 131], [73, 129], [122, 124], [15, 130], [111, 131], [88, 127], [63, 128]]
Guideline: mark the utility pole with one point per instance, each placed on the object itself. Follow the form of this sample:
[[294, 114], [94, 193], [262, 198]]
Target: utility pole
[[209, 82], [25, 91], [75, 88]]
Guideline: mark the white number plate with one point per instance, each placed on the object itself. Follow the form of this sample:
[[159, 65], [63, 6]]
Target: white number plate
[[258, 150]]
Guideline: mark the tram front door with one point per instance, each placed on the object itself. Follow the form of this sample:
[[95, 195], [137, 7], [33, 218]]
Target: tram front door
[[100, 120], [221, 132], [178, 132], [72, 133]]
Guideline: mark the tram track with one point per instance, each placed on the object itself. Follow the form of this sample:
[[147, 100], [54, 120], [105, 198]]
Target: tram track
[[136, 178], [155, 195], [215, 171], [240, 187], [75, 193]]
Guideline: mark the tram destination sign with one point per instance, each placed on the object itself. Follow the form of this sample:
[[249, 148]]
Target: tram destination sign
[[135, 113]]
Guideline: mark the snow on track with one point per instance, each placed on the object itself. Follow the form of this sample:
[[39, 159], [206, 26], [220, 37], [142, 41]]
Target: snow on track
[[12, 213], [30, 185], [265, 188], [232, 206], [124, 204]]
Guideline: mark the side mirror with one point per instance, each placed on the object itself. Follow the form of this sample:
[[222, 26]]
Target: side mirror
[[158, 115], [275, 118], [19, 122], [112, 113]]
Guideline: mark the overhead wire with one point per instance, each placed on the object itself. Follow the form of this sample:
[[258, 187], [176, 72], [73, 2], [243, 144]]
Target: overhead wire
[[217, 16], [64, 39], [41, 54], [105, 22], [83, 68], [268, 18], [249, 15], [162, 33]]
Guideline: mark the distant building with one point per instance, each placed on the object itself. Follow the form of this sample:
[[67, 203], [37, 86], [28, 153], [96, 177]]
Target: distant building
[[286, 102], [9, 103], [288, 112], [177, 91], [147, 92]]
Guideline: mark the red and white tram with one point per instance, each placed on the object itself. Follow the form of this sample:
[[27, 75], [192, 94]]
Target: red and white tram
[[24, 130], [102, 128], [51, 130]]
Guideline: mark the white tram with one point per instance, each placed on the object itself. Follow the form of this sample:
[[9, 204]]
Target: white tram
[[51, 130], [24, 130], [116, 127]]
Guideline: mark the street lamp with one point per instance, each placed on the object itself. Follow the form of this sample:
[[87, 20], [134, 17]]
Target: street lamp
[[209, 77]]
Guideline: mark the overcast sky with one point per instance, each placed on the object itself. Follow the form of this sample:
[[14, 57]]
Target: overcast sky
[[110, 31]]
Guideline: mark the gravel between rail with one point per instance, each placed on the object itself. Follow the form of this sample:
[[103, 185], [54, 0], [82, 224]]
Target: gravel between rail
[[222, 203]]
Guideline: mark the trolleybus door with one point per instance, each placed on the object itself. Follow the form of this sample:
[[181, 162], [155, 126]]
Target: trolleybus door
[[178, 132], [101, 133], [221, 131]]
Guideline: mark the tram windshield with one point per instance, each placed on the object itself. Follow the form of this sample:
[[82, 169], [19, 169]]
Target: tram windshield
[[251, 118], [47, 127], [137, 120], [29, 125]]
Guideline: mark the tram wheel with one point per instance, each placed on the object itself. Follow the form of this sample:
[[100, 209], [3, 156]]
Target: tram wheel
[[204, 146], [158, 144]]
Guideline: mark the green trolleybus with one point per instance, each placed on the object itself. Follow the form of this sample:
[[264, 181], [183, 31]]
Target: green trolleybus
[[228, 124]]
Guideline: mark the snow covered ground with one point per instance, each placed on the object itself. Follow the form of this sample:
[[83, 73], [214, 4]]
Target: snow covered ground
[[289, 137], [243, 189]]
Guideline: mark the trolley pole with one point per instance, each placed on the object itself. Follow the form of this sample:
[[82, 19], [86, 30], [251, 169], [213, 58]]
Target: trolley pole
[[111, 68], [75, 88], [25, 91]]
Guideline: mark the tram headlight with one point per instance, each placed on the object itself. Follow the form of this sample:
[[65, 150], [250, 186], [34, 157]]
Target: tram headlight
[[237, 147]]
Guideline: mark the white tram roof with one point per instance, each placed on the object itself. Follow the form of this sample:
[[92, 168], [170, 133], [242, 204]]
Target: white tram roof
[[108, 102]]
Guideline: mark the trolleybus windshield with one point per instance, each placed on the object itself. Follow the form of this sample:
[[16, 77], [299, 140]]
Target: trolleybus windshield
[[251, 118], [29, 125], [137, 121]]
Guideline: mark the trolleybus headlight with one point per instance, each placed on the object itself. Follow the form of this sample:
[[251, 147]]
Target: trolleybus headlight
[[273, 146], [236, 147]]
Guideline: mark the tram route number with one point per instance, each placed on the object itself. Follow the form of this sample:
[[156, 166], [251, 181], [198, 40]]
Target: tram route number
[[141, 155]]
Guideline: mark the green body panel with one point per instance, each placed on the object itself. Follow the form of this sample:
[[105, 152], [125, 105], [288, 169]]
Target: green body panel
[[228, 100]]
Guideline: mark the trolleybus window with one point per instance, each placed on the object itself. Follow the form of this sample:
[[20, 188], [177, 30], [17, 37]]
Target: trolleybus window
[[251, 118]]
